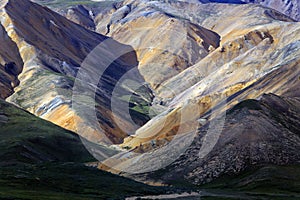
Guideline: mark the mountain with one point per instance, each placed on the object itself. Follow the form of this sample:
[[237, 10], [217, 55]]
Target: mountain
[[255, 133], [35, 140], [258, 53], [249, 60], [47, 59], [190, 94], [287, 7], [256, 153]]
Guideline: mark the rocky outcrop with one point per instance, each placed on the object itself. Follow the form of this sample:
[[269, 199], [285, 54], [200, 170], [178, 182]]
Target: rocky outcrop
[[290, 8], [82, 16], [255, 133]]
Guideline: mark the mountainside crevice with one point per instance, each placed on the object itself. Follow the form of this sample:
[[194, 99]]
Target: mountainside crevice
[[11, 64]]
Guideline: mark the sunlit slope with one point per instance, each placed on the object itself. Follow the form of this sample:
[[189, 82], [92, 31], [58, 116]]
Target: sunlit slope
[[258, 53], [47, 51]]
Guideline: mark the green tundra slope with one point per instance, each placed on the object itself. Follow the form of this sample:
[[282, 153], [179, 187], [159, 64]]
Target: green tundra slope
[[39, 160]]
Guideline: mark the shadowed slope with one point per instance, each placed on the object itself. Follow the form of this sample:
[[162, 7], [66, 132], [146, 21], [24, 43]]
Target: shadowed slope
[[255, 133], [39, 160], [11, 64], [26, 138]]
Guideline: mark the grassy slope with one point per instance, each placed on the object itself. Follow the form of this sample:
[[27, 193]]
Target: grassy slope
[[266, 182], [66, 181], [26, 138], [39, 160]]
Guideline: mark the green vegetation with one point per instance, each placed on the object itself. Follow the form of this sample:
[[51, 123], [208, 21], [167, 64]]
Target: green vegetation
[[139, 103], [270, 182], [26, 138], [39, 160], [66, 181]]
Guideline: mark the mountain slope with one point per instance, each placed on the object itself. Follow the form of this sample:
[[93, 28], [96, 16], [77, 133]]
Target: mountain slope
[[256, 152], [41, 160], [10, 65], [26, 138], [258, 53], [51, 52], [174, 69], [151, 31], [255, 133], [288, 7], [255, 55]]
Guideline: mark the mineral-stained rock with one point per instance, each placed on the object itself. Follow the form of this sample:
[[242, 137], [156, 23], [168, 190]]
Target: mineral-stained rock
[[255, 56], [289, 7], [255, 133], [46, 50], [10, 64], [258, 53], [163, 43], [82, 16], [177, 67]]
